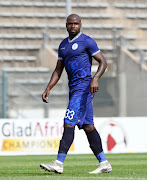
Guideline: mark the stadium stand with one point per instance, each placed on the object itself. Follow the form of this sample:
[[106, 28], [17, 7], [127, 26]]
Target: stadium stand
[[29, 83], [22, 24]]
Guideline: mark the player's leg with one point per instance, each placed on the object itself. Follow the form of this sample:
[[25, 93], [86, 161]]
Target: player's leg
[[94, 139], [94, 142], [96, 146], [65, 143], [70, 120]]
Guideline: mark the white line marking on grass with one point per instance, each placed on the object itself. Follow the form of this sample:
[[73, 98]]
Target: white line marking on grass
[[128, 178]]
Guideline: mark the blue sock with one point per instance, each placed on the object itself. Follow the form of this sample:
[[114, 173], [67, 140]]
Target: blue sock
[[61, 157], [101, 157], [65, 143]]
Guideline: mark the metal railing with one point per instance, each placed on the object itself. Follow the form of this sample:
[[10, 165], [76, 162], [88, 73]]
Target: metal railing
[[7, 81]]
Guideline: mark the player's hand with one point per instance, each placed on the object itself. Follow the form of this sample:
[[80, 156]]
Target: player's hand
[[94, 86], [45, 95]]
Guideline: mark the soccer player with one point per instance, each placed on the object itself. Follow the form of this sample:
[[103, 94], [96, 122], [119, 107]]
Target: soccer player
[[75, 54]]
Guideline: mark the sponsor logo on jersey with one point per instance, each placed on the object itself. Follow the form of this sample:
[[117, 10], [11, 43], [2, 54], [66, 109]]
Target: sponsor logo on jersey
[[62, 48]]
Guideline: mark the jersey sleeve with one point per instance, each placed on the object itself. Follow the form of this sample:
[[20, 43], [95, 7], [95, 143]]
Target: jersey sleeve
[[59, 53], [91, 46]]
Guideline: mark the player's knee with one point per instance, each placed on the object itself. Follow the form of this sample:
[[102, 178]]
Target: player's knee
[[88, 128], [68, 125]]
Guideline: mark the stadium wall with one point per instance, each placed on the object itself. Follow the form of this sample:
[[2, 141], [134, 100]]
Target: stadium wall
[[132, 77], [42, 136]]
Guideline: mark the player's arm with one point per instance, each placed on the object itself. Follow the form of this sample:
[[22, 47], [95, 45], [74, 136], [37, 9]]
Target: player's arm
[[101, 69], [54, 79]]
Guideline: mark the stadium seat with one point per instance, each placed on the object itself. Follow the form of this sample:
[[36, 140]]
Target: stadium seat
[[134, 16], [130, 5], [17, 58]]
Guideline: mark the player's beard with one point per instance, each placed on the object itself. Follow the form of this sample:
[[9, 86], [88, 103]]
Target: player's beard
[[73, 32]]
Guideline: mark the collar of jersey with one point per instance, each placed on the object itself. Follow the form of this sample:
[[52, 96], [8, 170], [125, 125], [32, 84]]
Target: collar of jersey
[[74, 37]]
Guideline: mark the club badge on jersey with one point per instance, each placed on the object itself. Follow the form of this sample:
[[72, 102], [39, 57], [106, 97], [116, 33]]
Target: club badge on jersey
[[74, 46]]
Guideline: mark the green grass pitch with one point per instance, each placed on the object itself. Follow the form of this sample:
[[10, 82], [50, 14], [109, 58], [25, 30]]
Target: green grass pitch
[[125, 166]]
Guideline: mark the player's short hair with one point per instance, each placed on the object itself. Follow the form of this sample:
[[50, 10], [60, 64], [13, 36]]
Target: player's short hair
[[73, 15]]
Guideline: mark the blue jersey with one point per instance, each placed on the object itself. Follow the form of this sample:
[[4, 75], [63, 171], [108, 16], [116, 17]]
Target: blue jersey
[[77, 56]]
